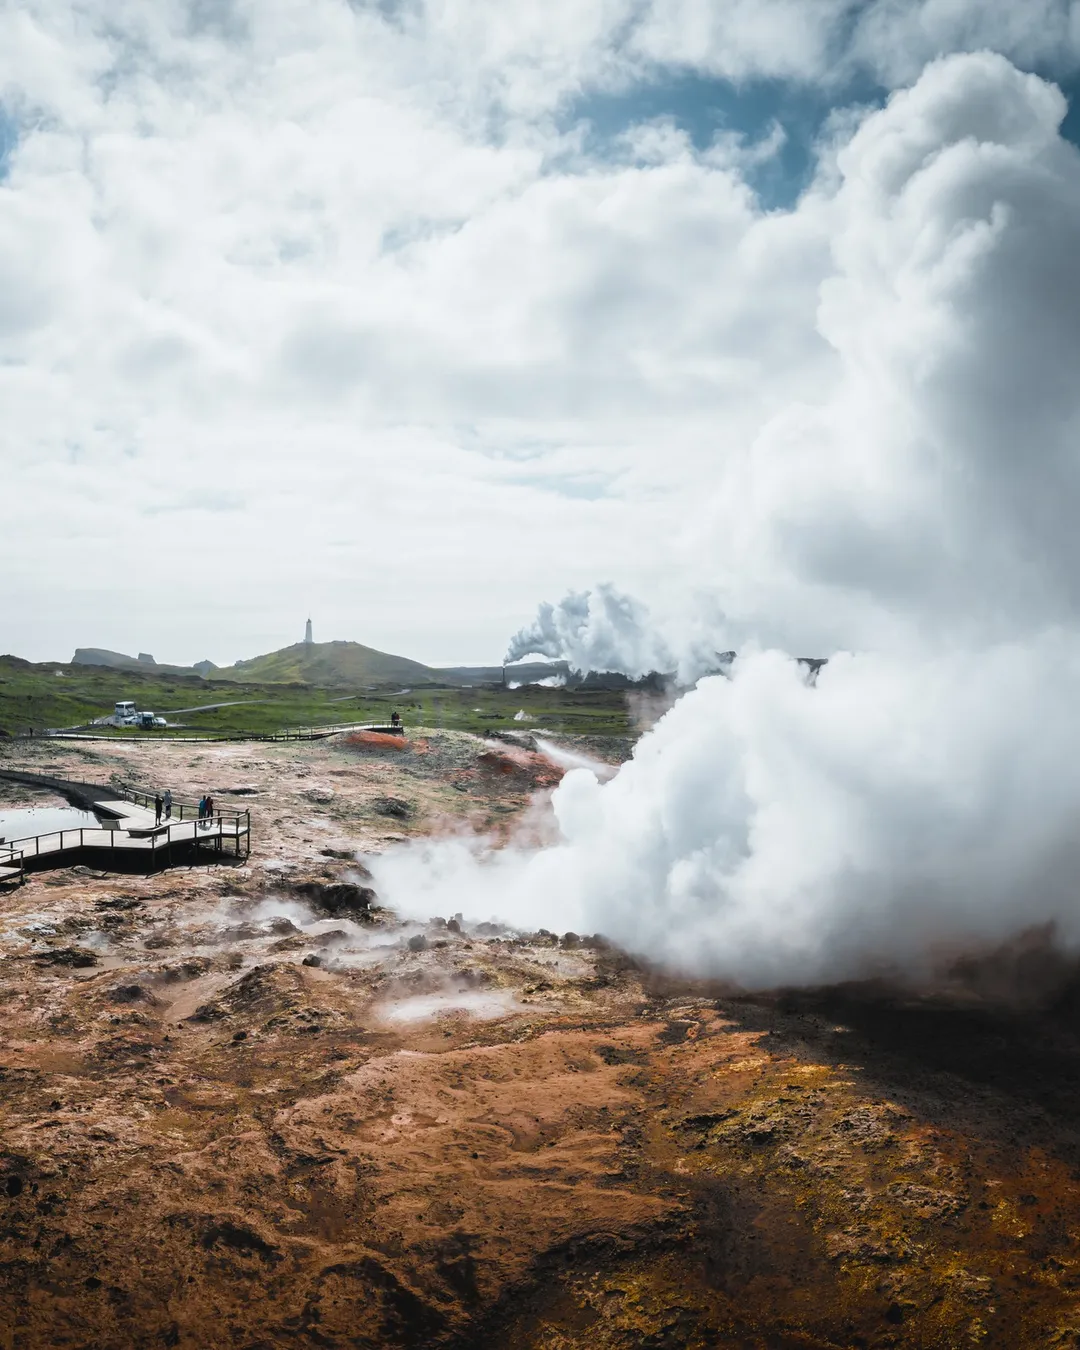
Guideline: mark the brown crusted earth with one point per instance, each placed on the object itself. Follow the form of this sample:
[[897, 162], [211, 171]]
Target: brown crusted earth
[[241, 1108]]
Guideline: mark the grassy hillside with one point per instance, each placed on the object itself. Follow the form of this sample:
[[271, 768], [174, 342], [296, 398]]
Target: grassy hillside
[[33, 695], [330, 665]]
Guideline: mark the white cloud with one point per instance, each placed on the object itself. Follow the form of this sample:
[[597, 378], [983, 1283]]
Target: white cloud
[[896, 40], [314, 256], [825, 42], [286, 259], [744, 39]]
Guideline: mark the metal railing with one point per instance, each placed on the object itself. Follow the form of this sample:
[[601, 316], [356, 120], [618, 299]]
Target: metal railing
[[332, 729], [180, 809], [158, 841], [12, 858], [286, 734]]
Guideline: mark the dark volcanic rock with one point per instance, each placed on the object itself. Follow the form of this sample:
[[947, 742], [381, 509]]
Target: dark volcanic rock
[[131, 993], [392, 806], [67, 956], [339, 899]]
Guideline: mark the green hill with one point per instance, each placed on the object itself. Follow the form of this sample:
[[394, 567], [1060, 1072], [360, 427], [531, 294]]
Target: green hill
[[329, 664]]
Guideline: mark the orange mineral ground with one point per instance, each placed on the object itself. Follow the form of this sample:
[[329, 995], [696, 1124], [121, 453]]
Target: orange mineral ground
[[247, 1107]]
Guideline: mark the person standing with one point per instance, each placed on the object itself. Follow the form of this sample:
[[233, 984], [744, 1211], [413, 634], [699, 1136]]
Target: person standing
[[167, 800], [158, 808], [202, 811], [210, 808]]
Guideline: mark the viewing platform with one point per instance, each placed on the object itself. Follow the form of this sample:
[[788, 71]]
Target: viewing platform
[[12, 871], [130, 839]]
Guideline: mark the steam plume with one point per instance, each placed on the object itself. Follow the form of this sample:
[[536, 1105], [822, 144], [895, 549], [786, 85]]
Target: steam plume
[[926, 793]]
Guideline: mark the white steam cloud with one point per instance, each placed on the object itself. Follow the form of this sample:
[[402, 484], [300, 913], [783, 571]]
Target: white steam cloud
[[606, 630], [594, 630], [925, 794]]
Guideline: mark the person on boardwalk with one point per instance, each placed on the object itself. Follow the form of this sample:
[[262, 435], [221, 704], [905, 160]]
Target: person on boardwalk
[[202, 811], [167, 801], [159, 806], [209, 808]]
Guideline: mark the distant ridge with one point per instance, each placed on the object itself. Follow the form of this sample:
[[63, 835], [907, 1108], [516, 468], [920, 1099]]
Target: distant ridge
[[101, 656], [332, 665]]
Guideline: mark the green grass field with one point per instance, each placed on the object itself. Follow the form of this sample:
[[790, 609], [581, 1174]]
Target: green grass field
[[34, 696]]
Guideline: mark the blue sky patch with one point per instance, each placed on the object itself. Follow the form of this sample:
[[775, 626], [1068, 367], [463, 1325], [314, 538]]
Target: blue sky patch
[[705, 106]]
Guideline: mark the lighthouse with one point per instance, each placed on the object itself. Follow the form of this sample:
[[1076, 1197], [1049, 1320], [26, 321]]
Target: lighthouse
[[308, 639]]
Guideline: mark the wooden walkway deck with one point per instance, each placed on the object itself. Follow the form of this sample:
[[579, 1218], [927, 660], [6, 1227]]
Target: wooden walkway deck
[[287, 734], [130, 839], [12, 872]]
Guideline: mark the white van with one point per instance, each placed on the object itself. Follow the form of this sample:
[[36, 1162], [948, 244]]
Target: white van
[[124, 715]]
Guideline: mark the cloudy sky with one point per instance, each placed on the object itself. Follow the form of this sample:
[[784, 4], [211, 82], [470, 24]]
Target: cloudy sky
[[413, 313]]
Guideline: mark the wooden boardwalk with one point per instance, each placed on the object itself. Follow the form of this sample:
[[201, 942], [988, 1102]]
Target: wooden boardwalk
[[12, 872], [130, 838], [286, 734]]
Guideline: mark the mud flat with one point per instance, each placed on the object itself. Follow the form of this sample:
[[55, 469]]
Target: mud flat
[[247, 1107]]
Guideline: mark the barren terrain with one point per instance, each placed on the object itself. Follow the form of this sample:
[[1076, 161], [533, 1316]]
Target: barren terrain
[[245, 1106]]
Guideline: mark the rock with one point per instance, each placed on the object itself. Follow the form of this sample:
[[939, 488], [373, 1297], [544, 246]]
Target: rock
[[452, 926], [334, 935], [569, 941], [131, 993], [241, 932], [312, 960], [190, 969], [392, 806], [418, 943], [77, 957], [339, 899], [925, 1201], [282, 926], [239, 1239]]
